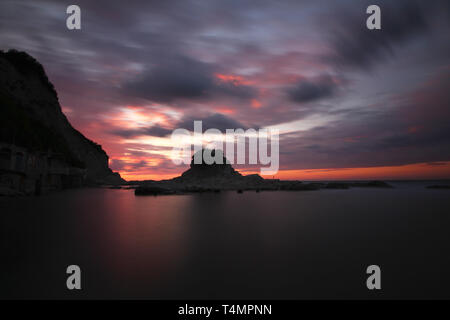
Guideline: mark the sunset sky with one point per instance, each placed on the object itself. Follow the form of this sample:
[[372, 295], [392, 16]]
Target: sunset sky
[[351, 103]]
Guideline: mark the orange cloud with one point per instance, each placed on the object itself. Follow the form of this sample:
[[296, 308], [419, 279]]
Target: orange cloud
[[130, 176], [255, 104], [225, 110], [235, 80], [410, 171]]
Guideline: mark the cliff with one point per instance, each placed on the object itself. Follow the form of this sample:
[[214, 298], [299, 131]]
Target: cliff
[[31, 118]]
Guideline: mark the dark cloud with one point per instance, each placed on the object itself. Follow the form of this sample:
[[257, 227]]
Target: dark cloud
[[182, 77], [401, 21], [412, 128], [170, 79], [216, 121], [311, 90], [155, 131]]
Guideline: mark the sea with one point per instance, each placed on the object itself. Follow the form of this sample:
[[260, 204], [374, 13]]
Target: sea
[[266, 245]]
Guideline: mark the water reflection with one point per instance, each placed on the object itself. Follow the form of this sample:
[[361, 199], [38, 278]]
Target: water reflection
[[226, 245]]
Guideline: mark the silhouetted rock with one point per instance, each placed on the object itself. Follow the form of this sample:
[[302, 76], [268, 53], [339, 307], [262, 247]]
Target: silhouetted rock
[[299, 186], [219, 169], [438, 186], [371, 184], [219, 174], [203, 177], [33, 126], [254, 179], [337, 185], [152, 190]]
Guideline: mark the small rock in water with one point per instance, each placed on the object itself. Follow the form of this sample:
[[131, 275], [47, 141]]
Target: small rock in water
[[151, 191], [438, 186]]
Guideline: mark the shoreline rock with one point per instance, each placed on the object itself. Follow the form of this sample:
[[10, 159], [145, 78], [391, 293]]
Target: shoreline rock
[[439, 186], [201, 177]]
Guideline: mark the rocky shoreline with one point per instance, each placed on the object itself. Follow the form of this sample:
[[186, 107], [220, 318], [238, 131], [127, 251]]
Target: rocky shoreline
[[170, 187], [223, 177]]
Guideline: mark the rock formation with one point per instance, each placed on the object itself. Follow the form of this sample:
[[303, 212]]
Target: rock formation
[[203, 171], [31, 119], [214, 177]]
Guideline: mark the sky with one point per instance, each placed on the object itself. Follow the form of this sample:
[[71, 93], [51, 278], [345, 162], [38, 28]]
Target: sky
[[351, 103]]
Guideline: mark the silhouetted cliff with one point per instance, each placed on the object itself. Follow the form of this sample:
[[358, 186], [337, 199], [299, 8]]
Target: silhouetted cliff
[[31, 118]]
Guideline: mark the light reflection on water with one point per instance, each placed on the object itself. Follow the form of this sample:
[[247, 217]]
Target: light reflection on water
[[226, 245]]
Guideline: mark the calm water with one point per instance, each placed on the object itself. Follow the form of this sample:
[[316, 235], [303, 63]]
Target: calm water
[[228, 245]]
